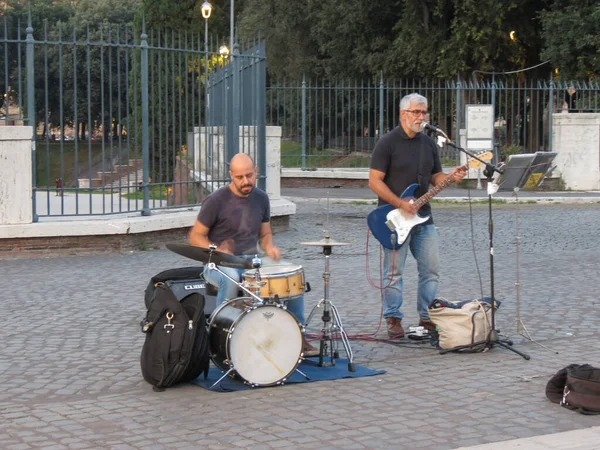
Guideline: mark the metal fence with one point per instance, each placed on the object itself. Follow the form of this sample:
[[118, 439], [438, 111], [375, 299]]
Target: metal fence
[[336, 124], [119, 114]]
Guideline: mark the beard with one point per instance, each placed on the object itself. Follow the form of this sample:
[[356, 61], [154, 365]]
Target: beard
[[417, 128], [245, 189]]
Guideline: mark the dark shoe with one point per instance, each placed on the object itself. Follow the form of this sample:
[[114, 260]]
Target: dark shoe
[[427, 324], [394, 327], [308, 350]]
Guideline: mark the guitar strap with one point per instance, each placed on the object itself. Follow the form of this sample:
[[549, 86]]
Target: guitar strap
[[420, 177]]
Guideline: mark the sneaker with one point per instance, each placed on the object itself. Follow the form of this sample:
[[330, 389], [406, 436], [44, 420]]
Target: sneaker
[[394, 327], [308, 350], [427, 324]]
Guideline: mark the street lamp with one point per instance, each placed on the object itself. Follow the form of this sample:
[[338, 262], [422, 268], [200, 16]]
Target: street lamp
[[224, 52], [206, 12]]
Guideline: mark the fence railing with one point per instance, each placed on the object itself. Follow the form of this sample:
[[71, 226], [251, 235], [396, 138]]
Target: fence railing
[[117, 113], [336, 124]]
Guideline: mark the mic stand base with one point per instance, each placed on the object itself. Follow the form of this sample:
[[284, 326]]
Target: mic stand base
[[492, 340]]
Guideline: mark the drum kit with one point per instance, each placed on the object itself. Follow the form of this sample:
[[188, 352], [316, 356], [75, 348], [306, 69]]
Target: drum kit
[[254, 337]]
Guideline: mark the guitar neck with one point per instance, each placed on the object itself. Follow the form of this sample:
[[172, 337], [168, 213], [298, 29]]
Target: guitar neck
[[435, 191]]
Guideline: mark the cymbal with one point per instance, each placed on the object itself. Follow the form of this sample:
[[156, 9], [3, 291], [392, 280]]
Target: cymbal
[[325, 243], [204, 254]]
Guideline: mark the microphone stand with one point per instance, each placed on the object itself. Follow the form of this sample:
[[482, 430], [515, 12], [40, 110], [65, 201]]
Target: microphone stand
[[493, 337]]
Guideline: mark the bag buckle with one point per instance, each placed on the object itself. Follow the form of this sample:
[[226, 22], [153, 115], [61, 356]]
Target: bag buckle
[[169, 326]]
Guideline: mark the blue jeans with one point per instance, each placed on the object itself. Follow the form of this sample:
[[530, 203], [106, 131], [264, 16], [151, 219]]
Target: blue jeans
[[423, 244], [228, 290]]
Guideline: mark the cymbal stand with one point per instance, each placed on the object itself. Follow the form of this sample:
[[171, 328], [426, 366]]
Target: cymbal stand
[[332, 323]]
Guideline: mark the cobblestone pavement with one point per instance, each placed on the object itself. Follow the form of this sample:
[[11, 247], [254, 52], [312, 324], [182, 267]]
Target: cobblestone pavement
[[69, 362]]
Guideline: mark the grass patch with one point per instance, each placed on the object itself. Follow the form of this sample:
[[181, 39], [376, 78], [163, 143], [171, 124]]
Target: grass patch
[[291, 156], [156, 192], [58, 160], [357, 202], [475, 201]]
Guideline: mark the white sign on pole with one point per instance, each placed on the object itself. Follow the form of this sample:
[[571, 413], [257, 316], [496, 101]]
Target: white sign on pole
[[480, 127]]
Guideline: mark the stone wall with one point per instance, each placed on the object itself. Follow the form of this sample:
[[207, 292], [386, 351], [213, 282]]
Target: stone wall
[[576, 139]]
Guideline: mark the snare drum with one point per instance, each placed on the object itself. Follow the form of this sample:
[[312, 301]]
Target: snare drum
[[261, 343], [286, 281]]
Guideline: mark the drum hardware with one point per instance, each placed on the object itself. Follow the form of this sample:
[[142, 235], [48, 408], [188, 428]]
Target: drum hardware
[[207, 255], [332, 322], [213, 266]]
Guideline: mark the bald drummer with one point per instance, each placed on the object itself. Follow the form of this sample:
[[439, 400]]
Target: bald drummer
[[236, 218]]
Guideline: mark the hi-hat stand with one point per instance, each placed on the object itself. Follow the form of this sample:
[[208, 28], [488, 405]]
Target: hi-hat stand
[[493, 337], [332, 322]]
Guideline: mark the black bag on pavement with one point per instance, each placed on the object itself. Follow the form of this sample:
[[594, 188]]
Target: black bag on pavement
[[576, 387], [176, 345]]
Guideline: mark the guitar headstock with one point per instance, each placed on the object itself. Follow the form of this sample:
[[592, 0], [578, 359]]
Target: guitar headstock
[[485, 155]]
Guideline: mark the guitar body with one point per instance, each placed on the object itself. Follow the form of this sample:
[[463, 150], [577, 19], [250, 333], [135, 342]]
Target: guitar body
[[391, 226]]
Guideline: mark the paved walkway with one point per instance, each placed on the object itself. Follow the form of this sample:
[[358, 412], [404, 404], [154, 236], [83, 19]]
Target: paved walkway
[[452, 193], [69, 360]]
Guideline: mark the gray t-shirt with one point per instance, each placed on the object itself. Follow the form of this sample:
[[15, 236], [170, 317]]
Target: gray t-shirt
[[229, 216]]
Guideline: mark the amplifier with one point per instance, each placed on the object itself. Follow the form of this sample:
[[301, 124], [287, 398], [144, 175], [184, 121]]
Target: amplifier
[[181, 288]]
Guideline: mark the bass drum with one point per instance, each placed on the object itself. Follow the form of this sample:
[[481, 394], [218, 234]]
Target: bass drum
[[261, 343]]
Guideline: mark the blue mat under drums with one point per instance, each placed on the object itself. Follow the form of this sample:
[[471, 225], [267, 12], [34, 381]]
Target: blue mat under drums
[[309, 367]]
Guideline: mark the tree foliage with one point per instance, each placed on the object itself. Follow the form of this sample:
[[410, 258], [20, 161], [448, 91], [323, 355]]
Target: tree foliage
[[571, 33], [401, 38]]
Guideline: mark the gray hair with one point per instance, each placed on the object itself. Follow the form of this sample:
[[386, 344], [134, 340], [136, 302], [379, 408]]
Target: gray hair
[[415, 98]]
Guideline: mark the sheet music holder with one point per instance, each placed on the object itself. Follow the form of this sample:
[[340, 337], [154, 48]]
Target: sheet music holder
[[525, 171]]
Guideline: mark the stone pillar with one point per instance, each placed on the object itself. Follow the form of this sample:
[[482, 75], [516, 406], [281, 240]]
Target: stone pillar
[[576, 139], [16, 185], [273, 170]]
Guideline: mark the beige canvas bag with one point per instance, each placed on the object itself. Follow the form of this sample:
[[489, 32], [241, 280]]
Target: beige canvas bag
[[461, 323]]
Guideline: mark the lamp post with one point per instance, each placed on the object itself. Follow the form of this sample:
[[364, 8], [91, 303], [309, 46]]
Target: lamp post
[[206, 12]]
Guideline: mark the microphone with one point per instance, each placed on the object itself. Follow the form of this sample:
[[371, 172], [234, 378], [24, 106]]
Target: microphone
[[428, 126]]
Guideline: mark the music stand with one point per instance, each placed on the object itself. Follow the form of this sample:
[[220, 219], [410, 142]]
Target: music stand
[[526, 171], [492, 338]]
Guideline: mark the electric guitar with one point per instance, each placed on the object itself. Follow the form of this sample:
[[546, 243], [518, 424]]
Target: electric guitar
[[391, 226]]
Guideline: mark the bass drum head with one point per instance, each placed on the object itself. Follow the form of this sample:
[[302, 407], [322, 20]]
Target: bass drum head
[[265, 345]]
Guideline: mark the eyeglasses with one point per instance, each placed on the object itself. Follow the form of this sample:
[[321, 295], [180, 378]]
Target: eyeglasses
[[417, 112]]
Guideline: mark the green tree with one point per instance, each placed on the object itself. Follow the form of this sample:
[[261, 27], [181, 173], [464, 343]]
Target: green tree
[[285, 27], [571, 32]]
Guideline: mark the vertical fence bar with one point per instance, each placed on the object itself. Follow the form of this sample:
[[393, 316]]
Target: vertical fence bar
[[31, 108], [261, 111], [303, 123], [144, 87], [458, 117], [89, 112], [236, 66], [550, 111], [380, 127], [6, 82], [46, 123]]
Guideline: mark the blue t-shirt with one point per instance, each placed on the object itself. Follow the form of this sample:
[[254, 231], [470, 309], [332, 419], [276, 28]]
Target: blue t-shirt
[[229, 216]]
